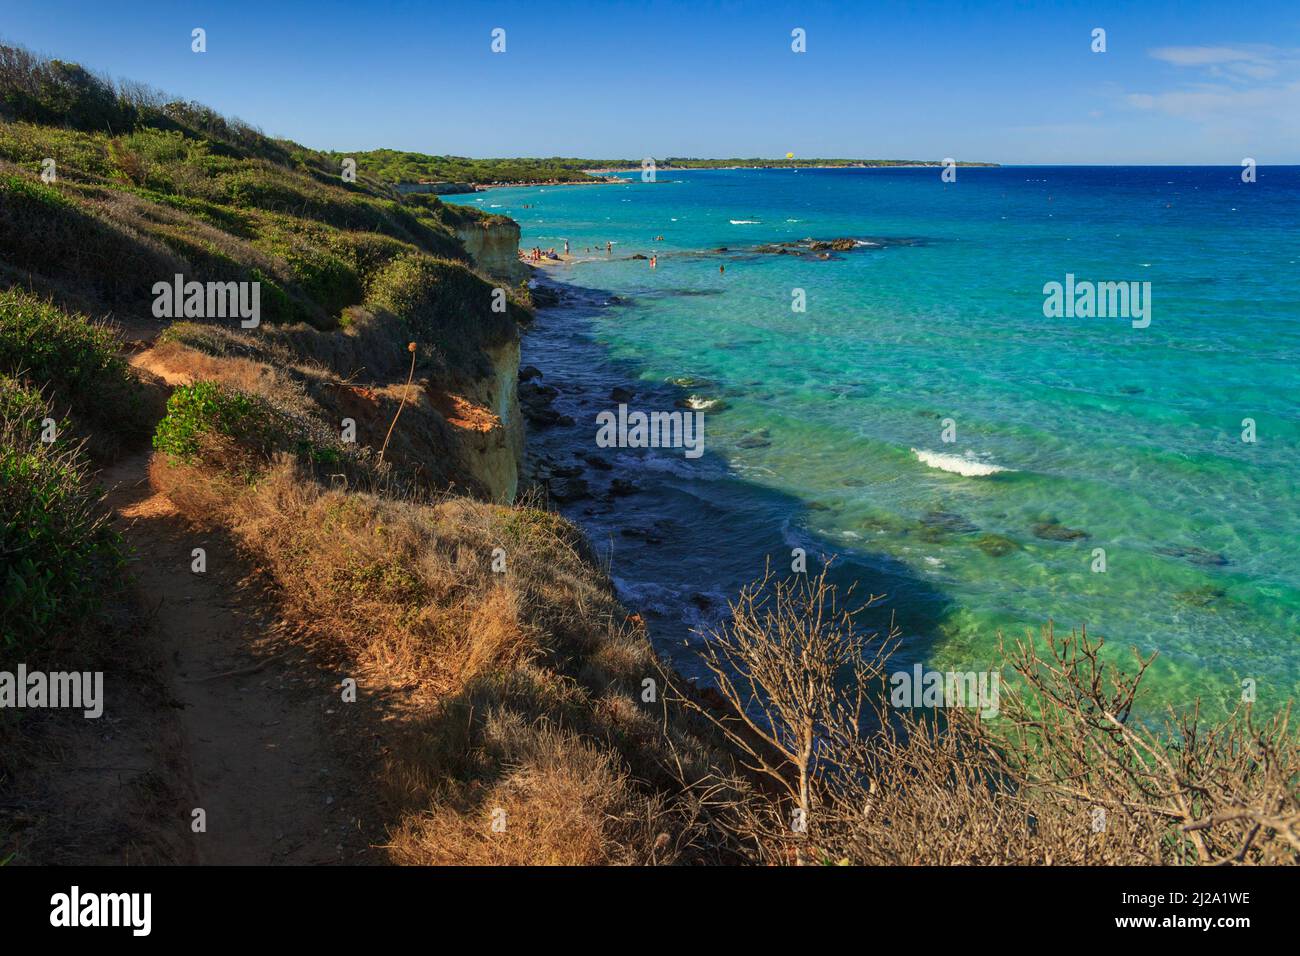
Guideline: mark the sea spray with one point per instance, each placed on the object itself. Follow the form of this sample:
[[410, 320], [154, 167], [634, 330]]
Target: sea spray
[[957, 464]]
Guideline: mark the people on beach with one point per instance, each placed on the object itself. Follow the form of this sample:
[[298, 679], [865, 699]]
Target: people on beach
[[566, 247], [722, 269], [654, 260], [609, 248]]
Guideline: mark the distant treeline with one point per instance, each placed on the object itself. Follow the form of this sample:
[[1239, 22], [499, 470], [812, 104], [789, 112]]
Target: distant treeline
[[395, 166]]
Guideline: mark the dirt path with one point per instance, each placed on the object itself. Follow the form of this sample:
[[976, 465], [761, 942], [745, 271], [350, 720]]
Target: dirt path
[[254, 715]]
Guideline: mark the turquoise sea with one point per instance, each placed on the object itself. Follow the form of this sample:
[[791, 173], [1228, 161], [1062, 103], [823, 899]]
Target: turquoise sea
[[1124, 439]]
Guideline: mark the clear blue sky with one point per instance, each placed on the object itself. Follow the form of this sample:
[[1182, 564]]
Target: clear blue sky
[[1187, 82]]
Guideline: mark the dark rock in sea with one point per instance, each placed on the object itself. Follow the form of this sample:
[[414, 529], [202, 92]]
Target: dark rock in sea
[[754, 441], [545, 296], [1197, 556], [536, 393], [621, 394], [567, 471], [640, 256], [641, 534], [701, 601], [1055, 531], [995, 545], [853, 482], [621, 486], [544, 417], [809, 248], [528, 372], [595, 461], [566, 421], [1132, 390], [837, 245], [565, 490]]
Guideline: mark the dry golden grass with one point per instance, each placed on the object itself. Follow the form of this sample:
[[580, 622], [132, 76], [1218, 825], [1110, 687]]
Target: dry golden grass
[[517, 690], [560, 801]]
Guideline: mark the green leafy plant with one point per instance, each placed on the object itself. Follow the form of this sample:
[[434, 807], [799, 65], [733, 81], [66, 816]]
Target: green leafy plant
[[58, 556], [206, 407]]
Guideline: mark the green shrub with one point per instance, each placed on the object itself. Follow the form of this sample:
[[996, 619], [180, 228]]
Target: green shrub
[[58, 557], [206, 407], [448, 307], [44, 345], [24, 189], [258, 429], [74, 152]]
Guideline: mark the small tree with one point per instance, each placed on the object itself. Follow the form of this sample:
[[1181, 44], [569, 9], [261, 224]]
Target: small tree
[[795, 675]]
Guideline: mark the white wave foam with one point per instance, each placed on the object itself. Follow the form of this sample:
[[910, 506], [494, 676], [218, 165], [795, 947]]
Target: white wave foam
[[746, 222], [699, 403], [647, 595], [964, 465]]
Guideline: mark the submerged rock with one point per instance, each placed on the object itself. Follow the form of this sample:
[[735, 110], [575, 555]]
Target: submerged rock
[[995, 545], [1055, 531], [1204, 596], [940, 524], [690, 381], [1199, 556]]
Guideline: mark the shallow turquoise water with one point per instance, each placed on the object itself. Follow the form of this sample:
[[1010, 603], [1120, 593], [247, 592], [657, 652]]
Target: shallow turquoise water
[[1131, 436]]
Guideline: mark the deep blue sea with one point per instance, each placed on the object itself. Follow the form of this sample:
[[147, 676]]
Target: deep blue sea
[[826, 428]]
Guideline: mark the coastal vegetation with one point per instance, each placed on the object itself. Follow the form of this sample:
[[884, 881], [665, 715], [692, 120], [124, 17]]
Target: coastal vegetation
[[498, 678], [392, 166]]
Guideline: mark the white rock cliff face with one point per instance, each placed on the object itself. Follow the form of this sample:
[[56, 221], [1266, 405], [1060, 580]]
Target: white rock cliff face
[[494, 456], [502, 456], [494, 247]]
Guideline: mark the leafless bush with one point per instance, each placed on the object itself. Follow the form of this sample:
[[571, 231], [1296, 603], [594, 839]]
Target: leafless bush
[[1065, 774]]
